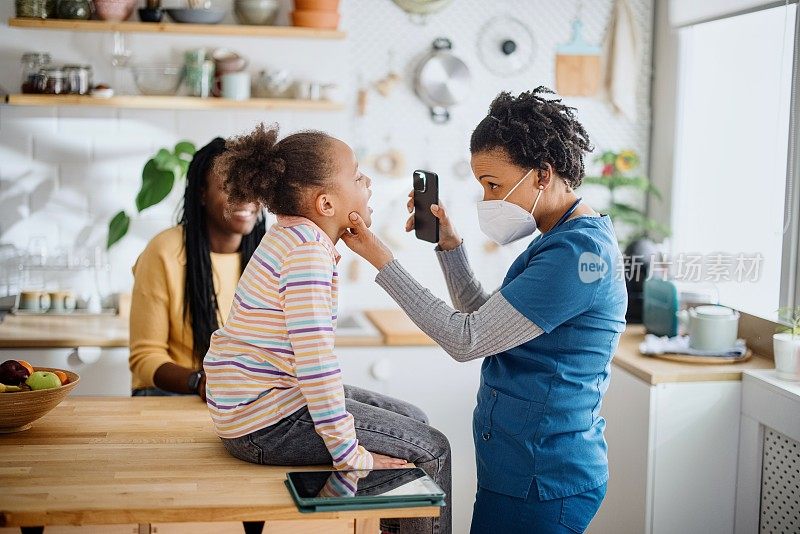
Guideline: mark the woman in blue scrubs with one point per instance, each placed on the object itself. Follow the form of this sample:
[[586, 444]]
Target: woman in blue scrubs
[[546, 336]]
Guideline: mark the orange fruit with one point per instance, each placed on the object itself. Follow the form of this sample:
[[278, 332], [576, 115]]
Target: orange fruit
[[61, 376], [27, 366]]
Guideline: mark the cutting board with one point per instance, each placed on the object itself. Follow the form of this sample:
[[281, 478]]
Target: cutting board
[[578, 65], [397, 328]]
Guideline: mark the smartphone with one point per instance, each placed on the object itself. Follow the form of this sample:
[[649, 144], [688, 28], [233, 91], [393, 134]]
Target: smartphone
[[426, 193]]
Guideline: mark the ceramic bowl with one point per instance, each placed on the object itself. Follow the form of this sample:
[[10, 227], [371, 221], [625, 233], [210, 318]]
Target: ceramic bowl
[[256, 12], [197, 16], [147, 14], [114, 10]]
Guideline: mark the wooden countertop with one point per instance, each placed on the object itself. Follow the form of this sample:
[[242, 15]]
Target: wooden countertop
[[657, 371], [141, 460], [397, 328], [394, 326], [29, 331]]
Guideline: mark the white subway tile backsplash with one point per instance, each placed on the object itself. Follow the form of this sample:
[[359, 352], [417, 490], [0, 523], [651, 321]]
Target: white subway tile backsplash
[[116, 195], [42, 192], [88, 177], [200, 127], [124, 150], [15, 147], [27, 120], [61, 149], [87, 121], [157, 125]]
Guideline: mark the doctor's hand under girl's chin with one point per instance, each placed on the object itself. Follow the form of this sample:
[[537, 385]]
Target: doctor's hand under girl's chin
[[363, 242]]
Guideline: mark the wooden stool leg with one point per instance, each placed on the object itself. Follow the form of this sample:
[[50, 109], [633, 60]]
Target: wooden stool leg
[[144, 528], [368, 525], [31, 530]]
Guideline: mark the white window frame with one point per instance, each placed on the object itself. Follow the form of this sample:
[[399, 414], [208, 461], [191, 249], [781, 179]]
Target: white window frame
[[666, 62]]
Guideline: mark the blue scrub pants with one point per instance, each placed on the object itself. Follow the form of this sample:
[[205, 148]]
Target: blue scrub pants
[[495, 512]]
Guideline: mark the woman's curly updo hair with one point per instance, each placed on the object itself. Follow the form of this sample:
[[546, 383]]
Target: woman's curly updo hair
[[532, 131], [277, 174]]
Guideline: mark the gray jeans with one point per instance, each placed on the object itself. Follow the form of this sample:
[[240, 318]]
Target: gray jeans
[[383, 425]]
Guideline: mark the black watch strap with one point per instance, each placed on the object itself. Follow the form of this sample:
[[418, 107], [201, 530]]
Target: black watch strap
[[194, 381]]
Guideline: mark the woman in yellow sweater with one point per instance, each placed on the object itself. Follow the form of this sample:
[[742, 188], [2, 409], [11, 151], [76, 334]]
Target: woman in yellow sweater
[[185, 279]]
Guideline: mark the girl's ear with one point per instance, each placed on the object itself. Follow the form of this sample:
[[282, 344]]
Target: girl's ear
[[324, 206]]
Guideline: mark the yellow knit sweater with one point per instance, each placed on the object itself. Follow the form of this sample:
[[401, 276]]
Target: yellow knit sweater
[[158, 331]]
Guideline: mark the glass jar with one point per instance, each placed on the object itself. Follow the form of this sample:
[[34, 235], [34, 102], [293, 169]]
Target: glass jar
[[79, 79], [36, 9], [199, 72], [53, 81], [75, 9], [32, 63]]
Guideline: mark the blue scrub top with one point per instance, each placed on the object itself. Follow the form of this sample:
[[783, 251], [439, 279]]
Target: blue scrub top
[[537, 417]]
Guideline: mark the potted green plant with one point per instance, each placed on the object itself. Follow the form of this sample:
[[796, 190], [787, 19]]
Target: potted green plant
[[634, 228], [158, 177], [786, 344], [619, 173]]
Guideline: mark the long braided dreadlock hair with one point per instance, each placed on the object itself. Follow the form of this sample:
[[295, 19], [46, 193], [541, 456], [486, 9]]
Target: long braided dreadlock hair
[[199, 303], [533, 131]]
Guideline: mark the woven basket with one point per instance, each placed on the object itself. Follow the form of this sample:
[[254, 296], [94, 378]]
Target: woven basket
[[18, 410]]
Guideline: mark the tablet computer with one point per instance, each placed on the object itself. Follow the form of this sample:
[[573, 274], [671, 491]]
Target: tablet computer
[[353, 490]]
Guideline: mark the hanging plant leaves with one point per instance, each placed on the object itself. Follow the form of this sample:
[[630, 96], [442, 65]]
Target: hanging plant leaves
[[117, 228], [185, 148], [156, 185]]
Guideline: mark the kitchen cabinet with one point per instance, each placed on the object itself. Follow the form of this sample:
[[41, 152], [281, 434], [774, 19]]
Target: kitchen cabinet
[[103, 370], [442, 387], [768, 487], [672, 452]]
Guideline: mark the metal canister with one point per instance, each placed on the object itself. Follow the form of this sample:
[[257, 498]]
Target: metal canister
[[79, 78]]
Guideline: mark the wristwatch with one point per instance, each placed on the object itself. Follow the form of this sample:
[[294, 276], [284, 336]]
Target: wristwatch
[[194, 380]]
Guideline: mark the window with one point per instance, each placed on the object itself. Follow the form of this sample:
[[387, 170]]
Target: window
[[732, 137]]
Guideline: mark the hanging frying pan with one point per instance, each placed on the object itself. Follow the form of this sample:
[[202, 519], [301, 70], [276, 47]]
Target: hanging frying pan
[[441, 80], [506, 46]]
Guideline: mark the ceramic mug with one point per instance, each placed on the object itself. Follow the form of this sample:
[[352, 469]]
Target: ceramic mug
[[712, 328], [34, 301], [62, 302], [236, 85]]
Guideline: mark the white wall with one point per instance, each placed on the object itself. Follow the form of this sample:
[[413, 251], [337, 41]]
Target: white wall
[[64, 171]]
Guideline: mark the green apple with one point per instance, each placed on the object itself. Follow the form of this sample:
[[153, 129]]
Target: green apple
[[43, 380]]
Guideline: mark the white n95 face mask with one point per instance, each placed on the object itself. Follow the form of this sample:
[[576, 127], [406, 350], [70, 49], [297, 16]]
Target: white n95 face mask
[[504, 222]]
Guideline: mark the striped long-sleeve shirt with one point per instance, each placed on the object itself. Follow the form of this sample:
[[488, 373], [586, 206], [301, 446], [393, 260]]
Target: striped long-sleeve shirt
[[275, 353]]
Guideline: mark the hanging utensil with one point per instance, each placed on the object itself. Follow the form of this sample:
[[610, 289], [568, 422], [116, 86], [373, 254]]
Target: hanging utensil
[[578, 65], [418, 10], [506, 45], [441, 80]]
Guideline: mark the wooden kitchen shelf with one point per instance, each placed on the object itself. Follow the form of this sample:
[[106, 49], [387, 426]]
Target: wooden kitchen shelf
[[171, 102], [241, 30]]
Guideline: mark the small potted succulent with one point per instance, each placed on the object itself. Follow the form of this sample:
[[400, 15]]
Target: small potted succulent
[[786, 344]]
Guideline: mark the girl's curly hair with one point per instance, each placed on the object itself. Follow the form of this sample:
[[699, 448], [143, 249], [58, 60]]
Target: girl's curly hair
[[533, 131], [277, 174]]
